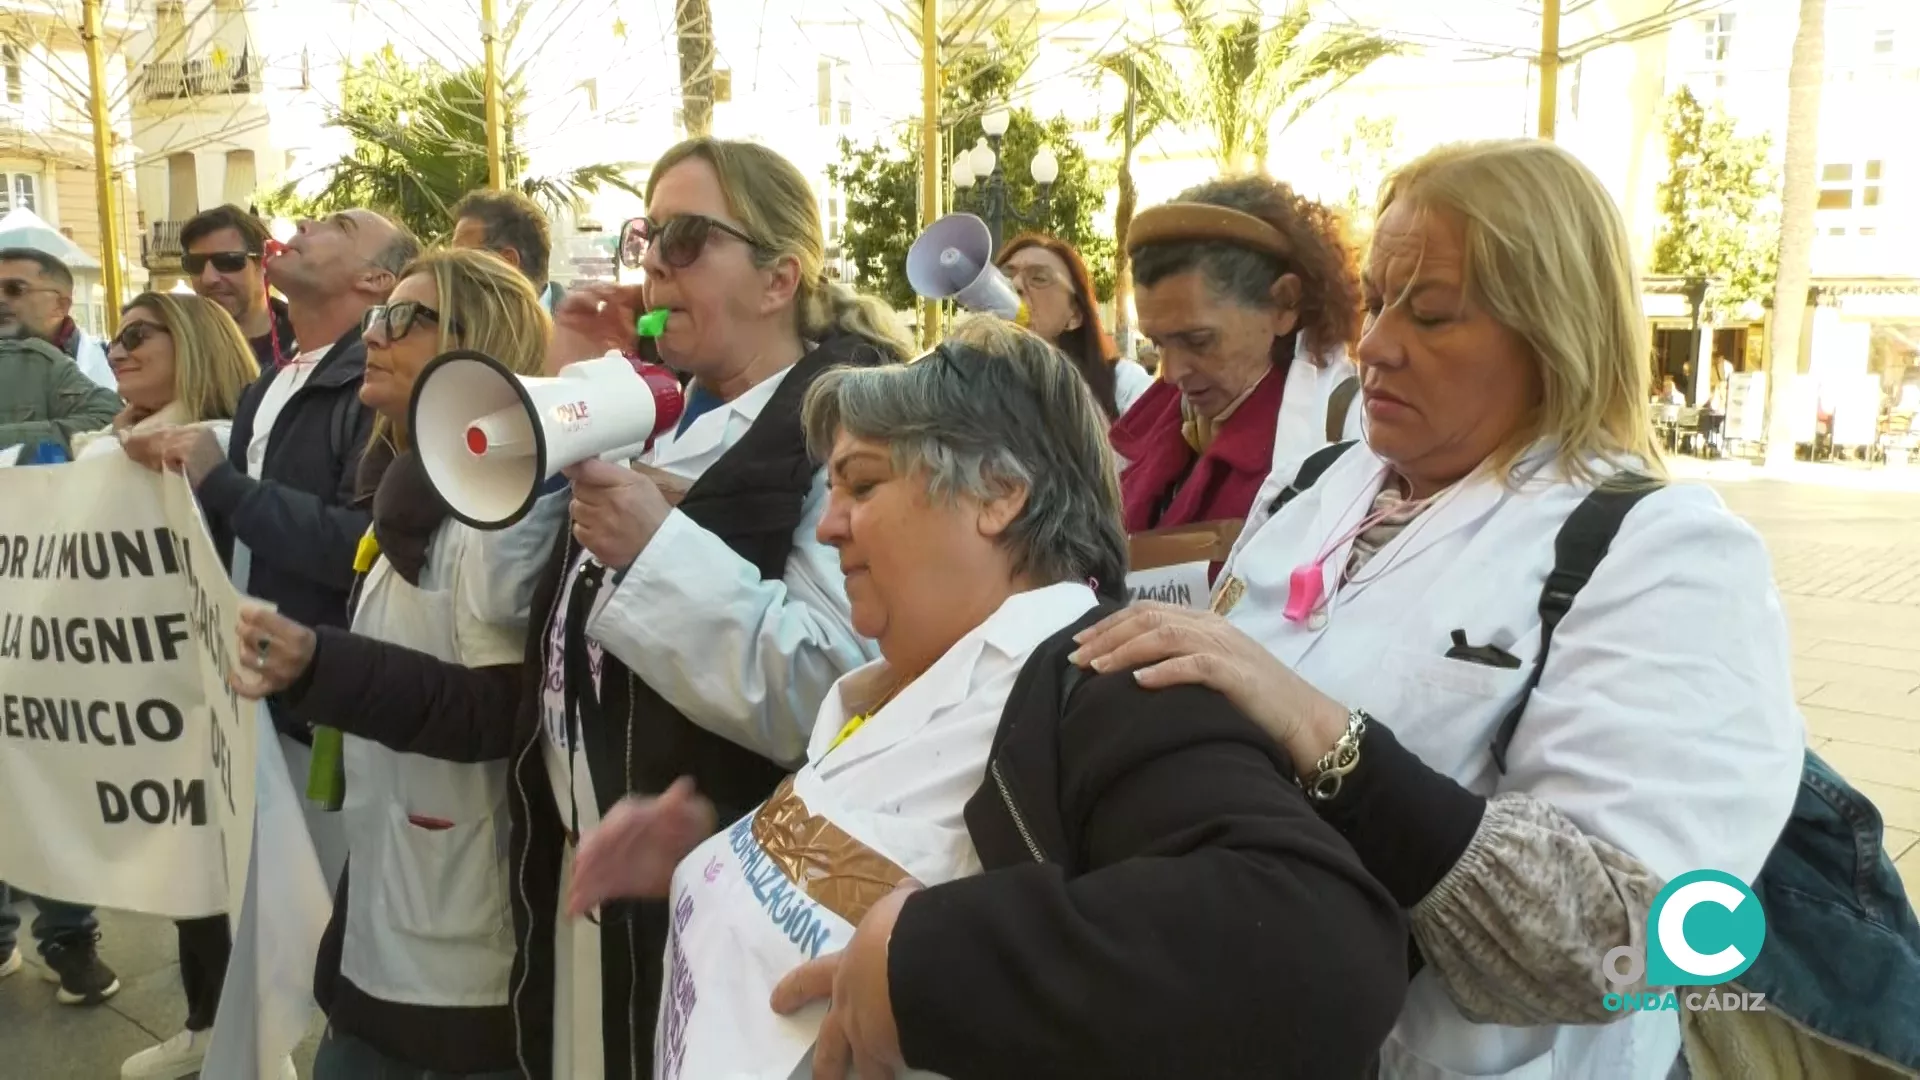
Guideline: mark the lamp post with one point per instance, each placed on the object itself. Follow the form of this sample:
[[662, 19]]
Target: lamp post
[[981, 165]]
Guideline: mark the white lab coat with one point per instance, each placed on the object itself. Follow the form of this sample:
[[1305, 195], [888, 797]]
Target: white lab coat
[[1664, 722], [427, 921], [745, 658], [1130, 380]]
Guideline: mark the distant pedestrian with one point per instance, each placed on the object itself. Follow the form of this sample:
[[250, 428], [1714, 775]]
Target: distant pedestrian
[[513, 227], [36, 300]]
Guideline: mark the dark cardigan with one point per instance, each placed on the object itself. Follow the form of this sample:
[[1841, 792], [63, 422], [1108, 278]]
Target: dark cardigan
[[1159, 901]]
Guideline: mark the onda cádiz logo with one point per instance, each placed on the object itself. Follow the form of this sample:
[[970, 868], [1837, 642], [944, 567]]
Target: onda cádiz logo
[[1704, 929]]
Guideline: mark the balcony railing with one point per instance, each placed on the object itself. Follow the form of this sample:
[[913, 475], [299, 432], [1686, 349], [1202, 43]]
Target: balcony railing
[[173, 80], [160, 247]]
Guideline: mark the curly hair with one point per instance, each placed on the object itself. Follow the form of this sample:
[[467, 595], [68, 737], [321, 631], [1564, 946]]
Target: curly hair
[[1323, 258]]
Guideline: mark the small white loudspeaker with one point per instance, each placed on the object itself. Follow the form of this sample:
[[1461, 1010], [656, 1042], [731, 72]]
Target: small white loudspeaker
[[490, 439], [953, 260]]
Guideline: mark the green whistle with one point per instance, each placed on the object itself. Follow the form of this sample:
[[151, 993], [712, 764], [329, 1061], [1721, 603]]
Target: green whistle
[[652, 324]]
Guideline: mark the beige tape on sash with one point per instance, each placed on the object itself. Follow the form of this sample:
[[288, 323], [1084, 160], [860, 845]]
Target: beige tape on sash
[[837, 871]]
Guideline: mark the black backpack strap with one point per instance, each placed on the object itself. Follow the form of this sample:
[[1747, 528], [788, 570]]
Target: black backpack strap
[[1577, 550], [1339, 405], [1310, 470]]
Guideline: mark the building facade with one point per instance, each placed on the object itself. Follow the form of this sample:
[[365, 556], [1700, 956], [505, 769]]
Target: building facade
[[226, 95], [46, 133]]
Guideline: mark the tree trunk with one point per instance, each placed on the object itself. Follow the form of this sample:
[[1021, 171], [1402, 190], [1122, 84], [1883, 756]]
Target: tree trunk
[[1799, 193], [1122, 218], [693, 20]]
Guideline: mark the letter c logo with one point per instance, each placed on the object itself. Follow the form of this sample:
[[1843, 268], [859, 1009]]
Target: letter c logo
[[1726, 919]]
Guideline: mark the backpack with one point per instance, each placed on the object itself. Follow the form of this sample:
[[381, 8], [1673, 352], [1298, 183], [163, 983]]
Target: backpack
[[1841, 964]]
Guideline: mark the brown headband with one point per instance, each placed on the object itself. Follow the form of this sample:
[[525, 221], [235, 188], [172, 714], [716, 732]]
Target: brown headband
[[1187, 222]]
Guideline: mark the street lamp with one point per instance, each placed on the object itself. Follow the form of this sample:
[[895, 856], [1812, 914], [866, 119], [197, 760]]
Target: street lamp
[[981, 165]]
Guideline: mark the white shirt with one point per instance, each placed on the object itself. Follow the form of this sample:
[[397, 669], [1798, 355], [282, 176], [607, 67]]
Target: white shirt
[[292, 376], [1664, 722], [897, 788]]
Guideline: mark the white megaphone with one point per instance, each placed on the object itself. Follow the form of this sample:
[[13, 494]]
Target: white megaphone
[[953, 260], [490, 440]]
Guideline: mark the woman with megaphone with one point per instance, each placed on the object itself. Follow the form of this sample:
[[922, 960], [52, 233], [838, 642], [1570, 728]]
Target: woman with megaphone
[[413, 968], [683, 618], [1053, 283], [1252, 296]]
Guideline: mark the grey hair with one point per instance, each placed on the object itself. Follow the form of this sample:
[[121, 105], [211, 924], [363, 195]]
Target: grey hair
[[1008, 413], [398, 252]]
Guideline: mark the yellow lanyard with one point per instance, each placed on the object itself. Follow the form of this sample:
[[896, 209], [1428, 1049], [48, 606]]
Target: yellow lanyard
[[366, 553], [847, 730], [860, 719]]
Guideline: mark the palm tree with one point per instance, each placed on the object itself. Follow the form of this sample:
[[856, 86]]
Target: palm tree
[[419, 145], [1799, 193], [693, 22], [1241, 76]]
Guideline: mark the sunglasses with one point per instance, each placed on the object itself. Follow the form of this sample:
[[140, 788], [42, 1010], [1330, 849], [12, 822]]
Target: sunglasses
[[135, 334], [227, 262], [681, 239], [397, 320], [15, 288]]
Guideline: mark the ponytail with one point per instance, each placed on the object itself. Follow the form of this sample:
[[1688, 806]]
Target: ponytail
[[831, 308]]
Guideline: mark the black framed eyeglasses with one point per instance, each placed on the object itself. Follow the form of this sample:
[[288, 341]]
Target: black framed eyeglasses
[[396, 320], [681, 239], [227, 262], [135, 334]]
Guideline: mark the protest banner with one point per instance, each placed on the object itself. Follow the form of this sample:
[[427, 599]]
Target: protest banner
[[104, 741], [232, 735]]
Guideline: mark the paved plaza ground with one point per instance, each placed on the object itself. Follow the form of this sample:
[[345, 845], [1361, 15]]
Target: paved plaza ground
[[1846, 549]]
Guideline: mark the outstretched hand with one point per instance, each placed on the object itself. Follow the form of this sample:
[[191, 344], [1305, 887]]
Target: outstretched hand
[[633, 852]]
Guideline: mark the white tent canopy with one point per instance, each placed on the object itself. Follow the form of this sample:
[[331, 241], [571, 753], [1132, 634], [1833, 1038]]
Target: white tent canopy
[[26, 229]]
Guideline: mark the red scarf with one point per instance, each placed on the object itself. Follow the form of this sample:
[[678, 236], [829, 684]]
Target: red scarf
[[1166, 484]]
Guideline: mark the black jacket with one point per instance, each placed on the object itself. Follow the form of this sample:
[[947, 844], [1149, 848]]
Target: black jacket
[[298, 516], [1160, 900]]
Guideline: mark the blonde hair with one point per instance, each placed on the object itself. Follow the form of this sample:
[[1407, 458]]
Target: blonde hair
[[485, 305], [1547, 256], [773, 200], [212, 362]]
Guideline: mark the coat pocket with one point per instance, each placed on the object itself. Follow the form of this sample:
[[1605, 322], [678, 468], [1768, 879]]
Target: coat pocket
[[444, 883]]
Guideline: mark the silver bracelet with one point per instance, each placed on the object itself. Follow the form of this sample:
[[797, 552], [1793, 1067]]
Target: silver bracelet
[[1335, 764]]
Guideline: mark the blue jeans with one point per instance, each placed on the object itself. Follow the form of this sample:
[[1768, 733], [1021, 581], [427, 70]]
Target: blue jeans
[[56, 920], [343, 1057]]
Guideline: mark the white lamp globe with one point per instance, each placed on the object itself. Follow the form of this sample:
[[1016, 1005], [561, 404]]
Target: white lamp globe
[[983, 159], [1045, 167], [995, 122], [963, 170]]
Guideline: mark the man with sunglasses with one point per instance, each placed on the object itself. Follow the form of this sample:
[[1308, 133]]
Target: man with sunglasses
[[36, 301], [224, 248]]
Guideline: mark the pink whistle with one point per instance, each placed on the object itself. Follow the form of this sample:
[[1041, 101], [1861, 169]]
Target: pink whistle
[[1305, 589]]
